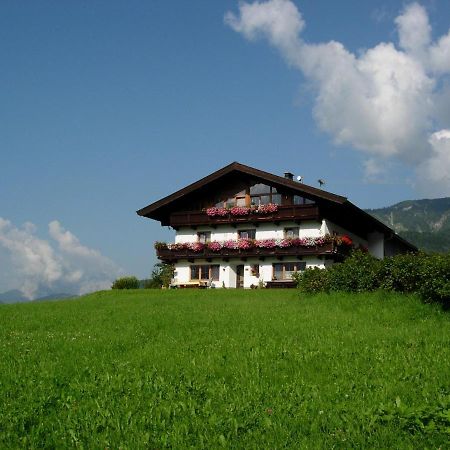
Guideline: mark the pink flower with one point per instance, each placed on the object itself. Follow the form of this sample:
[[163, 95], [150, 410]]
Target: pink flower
[[266, 209], [239, 211], [283, 243], [180, 246], [266, 243], [196, 246], [214, 246], [308, 242], [296, 242], [213, 212], [245, 244], [230, 244]]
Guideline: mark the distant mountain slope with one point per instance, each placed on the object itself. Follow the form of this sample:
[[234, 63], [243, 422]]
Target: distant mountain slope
[[12, 296], [425, 223], [16, 296]]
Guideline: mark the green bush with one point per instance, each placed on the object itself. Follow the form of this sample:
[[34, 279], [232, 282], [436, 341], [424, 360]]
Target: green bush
[[435, 279], [358, 273], [426, 275], [312, 280], [126, 283], [402, 273]]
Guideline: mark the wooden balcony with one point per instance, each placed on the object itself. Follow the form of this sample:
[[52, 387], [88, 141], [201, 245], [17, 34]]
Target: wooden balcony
[[171, 256], [294, 213]]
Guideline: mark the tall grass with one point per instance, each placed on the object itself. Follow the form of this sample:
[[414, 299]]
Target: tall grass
[[225, 368]]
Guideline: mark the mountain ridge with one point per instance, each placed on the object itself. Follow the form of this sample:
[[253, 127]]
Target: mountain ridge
[[424, 222]]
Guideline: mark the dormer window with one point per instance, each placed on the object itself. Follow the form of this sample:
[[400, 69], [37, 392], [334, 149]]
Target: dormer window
[[204, 237]]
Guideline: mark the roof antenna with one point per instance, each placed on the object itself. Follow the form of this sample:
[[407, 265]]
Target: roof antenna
[[299, 178], [321, 182]]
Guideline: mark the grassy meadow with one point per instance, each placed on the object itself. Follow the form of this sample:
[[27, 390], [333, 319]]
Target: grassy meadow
[[233, 369]]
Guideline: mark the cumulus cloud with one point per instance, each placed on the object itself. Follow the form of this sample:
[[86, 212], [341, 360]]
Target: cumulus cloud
[[385, 101], [436, 168], [39, 267]]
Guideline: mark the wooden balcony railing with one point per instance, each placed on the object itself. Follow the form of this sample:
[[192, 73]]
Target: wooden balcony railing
[[294, 213], [168, 255]]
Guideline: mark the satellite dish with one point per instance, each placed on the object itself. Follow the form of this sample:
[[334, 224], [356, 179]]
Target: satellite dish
[[321, 182], [299, 178]]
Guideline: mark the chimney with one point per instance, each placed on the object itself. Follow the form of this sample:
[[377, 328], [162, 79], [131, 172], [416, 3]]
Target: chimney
[[289, 176]]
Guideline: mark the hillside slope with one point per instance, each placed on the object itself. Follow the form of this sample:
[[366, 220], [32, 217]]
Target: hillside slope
[[225, 368], [425, 223]]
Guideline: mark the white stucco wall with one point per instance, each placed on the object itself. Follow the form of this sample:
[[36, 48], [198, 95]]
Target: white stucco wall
[[333, 228], [263, 231], [376, 244], [227, 271]]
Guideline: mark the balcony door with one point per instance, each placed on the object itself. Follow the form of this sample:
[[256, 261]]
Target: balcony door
[[240, 276]]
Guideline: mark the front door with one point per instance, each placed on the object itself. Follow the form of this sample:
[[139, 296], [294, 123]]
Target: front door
[[240, 276]]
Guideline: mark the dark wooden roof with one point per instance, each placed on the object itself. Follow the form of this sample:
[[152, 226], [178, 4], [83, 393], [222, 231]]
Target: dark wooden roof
[[334, 207], [312, 192]]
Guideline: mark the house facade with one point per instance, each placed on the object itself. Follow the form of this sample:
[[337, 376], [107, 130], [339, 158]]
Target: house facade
[[241, 227]]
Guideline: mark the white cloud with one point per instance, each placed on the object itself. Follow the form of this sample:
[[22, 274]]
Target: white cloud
[[278, 20], [436, 168], [414, 30], [385, 101], [373, 170], [36, 267]]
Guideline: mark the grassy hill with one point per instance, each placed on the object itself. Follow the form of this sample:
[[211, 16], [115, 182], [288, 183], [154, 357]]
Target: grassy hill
[[225, 368], [426, 223]]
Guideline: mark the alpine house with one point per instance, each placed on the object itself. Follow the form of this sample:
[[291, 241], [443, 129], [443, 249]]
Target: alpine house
[[243, 227]]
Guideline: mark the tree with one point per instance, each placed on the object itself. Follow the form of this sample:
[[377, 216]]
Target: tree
[[162, 275], [126, 283]]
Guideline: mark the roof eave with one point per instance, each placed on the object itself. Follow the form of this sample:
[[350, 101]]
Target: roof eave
[[315, 192]]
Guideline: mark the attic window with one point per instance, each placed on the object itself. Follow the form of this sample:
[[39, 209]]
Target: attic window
[[262, 194], [299, 200], [239, 199]]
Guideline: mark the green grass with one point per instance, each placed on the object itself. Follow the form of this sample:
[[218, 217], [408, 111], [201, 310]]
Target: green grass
[[234, 369]]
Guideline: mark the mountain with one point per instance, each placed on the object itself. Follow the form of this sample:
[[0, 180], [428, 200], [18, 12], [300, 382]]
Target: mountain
[[425, 223], [16, 296], [55, 297], [12, 296]]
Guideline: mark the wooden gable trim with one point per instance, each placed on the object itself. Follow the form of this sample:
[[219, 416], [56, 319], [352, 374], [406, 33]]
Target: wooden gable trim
[[235, 166]]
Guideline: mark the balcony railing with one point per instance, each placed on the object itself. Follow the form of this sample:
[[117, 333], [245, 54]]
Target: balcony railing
[[292, 213], [168, 255]]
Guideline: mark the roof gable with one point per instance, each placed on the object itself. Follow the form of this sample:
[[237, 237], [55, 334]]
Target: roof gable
[[157, 209]]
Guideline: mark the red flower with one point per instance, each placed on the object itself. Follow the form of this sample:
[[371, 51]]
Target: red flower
[[346, 240]]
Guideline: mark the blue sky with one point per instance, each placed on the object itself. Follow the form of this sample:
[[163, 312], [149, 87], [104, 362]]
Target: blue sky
[[107, 106]]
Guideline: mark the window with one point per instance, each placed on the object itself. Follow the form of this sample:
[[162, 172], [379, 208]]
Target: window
[[205, 272], [246, 234], [204, 236], [239, 199], [298, 200], [291, 233], [255, 195], [254, 270], [284, 271], [262, 194]]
